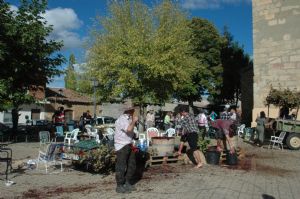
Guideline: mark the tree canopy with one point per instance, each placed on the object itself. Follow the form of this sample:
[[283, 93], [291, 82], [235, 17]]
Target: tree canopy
[[26, 53], [283, 98], [206, 43], [233, 59], [140, 52], [71, 77]]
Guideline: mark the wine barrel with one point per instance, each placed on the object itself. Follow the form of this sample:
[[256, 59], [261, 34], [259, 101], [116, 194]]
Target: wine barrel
[[163, 145]]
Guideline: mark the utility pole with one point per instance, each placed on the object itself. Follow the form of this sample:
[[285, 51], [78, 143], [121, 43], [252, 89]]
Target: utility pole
[[95, 83]]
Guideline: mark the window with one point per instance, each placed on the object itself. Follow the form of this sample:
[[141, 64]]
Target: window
[[35, 114], [7, 118], [99, 121], [109, 120]]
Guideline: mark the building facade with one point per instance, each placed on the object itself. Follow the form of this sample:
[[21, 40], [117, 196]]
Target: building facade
[[276, 50]]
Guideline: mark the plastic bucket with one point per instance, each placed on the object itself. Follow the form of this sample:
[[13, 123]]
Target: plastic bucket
[[163, 145], [212, 156], [231, 159]]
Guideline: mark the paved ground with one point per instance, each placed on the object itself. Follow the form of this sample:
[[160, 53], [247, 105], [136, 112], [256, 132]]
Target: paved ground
[[261, 173]]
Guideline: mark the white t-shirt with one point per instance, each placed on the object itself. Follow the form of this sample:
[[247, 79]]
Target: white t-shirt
[[201, 119], [233, 116], [121, 137]]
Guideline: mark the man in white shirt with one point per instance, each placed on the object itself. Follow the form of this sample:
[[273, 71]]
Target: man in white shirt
[[125, 163]]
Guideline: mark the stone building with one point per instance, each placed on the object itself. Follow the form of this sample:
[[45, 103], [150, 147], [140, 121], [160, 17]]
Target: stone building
[[276, 49]]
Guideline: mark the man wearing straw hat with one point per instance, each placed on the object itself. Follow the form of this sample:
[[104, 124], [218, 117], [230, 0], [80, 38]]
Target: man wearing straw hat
[[125, 163]]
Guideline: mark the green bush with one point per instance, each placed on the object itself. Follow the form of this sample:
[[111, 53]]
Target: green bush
[[100, 160], [203, 144]]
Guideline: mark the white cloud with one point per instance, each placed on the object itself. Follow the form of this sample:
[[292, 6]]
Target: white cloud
[[65, 21], [13, 8], [57, 82], [210, 4]]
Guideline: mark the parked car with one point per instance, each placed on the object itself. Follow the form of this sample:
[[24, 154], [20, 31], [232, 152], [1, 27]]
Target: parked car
[[105, 122]]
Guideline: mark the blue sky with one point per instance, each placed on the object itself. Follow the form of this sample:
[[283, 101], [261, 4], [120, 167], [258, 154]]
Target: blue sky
[[72, 20]]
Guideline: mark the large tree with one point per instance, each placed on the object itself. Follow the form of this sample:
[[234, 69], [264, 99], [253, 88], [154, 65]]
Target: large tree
[[27, 56], [71, 77], [206, 43], [141, 53], [234, 59]]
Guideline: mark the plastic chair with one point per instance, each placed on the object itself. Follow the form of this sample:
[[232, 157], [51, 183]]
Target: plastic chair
[[151, 132], [171, 132], [92, 134], [110, 132], [71, 136], [277, 140], [49, 157], [142, 136], [44, 137], [240, 130]]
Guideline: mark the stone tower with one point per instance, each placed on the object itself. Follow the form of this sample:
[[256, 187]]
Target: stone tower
[[276, 49]]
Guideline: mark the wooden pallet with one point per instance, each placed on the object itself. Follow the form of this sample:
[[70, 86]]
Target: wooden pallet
[[159, 160]]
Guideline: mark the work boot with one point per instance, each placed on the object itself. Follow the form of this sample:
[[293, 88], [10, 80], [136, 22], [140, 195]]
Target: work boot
[[129, 187], [122, 189]]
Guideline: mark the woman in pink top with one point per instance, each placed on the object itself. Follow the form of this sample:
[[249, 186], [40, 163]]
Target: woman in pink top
[[224, 128]]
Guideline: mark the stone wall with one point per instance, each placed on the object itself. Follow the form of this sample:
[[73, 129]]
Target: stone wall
[[276, 49]]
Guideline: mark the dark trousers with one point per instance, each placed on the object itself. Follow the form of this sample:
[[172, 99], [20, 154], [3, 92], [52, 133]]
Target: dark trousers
[[125, 165]]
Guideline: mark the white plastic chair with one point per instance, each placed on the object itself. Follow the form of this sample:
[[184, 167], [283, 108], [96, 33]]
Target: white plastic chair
[[240, 130], [151, 132], [71, 136], [142, 136], [171, 132], [110, 132], [92, 134], [277, 140], [49, 157]]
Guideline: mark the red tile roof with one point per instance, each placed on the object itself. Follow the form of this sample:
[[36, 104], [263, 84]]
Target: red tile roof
[[66, 95]]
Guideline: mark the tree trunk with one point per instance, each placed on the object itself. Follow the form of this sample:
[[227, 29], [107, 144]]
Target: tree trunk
[[142, 118], [191, 105], [15, 119]]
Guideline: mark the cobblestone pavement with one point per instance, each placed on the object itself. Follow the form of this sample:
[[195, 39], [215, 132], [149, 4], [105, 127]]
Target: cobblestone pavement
[[261, 173]]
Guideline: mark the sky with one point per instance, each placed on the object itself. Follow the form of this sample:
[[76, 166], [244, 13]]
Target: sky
[[72, 21]]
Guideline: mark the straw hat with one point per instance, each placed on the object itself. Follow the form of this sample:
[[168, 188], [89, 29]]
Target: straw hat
[[127, 108]]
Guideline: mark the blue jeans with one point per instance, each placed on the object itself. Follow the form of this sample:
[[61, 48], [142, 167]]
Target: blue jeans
[[59, 131]]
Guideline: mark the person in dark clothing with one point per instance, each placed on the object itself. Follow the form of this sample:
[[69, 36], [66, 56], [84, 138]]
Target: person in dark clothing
[[189, 134], [87, 118], [58, 119], [260, 127]]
